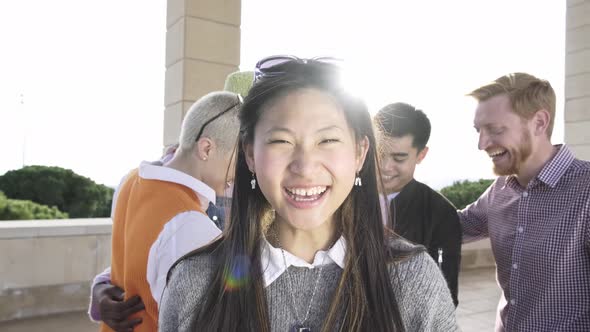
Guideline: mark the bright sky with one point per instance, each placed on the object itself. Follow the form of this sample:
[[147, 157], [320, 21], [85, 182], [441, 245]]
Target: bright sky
[[92, 73]]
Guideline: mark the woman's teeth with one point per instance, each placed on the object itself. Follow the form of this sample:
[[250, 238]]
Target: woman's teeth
[[306, 194]]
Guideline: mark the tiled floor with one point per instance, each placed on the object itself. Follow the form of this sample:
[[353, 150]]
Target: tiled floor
[[478, 297]]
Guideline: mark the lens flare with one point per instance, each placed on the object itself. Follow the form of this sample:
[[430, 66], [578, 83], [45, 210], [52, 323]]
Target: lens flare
[[237, 274]]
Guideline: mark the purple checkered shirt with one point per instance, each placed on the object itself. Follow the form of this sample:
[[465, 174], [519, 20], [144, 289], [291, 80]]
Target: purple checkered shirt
[[540, 238]]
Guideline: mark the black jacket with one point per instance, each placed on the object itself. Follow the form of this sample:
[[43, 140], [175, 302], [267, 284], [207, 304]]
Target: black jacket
[[424, 216]]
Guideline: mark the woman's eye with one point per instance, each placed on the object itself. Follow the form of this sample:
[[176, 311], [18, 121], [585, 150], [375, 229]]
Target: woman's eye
[[330, 140], [278, 141]]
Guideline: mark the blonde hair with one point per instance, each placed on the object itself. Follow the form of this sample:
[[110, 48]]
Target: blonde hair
[[223, 130], [527, 95]]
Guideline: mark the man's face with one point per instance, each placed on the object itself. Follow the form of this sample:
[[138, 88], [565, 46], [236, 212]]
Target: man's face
[[504, 135], [398, 160]]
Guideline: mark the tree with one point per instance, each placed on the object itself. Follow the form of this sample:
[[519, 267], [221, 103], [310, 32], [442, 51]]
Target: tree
[[463, 193], [76, 195], [13, 209]]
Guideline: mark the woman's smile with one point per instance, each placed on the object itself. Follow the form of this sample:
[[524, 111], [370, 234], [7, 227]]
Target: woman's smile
[[305, 198]]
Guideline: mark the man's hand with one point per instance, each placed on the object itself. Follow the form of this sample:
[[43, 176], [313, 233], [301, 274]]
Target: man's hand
[[114, 310]]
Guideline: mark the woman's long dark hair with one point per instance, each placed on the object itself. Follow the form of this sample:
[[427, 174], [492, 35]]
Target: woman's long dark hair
[[364, 299]]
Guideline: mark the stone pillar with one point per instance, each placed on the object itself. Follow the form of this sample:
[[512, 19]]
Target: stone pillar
[[577, 78], [202, 48]]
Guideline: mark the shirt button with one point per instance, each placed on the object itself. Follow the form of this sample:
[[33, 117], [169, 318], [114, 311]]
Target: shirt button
[[520, 229], [515, 266], [525, 194], [214, 218], [513, 301]]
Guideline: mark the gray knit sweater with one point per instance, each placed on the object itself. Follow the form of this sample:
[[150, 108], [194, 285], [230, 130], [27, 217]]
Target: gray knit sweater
[[421, 292]]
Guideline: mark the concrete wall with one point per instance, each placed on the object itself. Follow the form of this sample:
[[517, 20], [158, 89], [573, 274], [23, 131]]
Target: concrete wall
[[577, 78], [477, 255], [46, 265]]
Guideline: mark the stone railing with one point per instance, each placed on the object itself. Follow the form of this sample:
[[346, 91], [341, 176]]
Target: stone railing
[[477, 255], [46, 265]]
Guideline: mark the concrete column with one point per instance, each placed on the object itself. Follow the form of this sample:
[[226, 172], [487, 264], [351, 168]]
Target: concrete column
[[202, 48], [577, 78]]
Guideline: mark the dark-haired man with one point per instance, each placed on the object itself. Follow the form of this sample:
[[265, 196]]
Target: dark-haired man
[[411, 208]]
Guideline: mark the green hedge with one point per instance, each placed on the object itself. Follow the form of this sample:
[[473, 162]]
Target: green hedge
[[463, 193], [14, 209], [76, 195]]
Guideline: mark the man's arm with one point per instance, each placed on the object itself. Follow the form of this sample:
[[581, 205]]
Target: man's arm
[[93, 309], [474, 218], [114, 310], [107, 304], [105, 276], [106, 300]]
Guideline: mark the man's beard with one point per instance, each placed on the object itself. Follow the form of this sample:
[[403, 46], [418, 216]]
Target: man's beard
[[517, 156]]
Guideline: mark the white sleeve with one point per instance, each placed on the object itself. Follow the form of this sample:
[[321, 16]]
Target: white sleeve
[[93, 312], [104, 276], [184, 233]]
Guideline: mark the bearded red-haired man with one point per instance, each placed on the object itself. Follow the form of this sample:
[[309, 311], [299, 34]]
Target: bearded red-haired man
[[536, 213]]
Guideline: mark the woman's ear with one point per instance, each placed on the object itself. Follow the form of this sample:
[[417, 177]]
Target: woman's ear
[[249, 153], [362, 149]]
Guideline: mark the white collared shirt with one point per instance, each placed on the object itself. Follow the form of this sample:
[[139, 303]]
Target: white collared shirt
[[184, 233], [391, 196], [148, 170], [273, 265], [385, 202]]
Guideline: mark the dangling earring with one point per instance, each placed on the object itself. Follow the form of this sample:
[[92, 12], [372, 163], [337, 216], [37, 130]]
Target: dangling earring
[[357, 180], [253, 181]]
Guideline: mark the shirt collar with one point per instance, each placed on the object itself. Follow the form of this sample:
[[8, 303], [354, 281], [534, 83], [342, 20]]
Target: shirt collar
[[273, 265], [391, 196], [387, 198], [553, 170], [556, 167], [150, 171]]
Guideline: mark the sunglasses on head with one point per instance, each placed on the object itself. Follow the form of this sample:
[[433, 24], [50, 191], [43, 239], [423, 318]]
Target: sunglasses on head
[[271, 66], [238, 103]]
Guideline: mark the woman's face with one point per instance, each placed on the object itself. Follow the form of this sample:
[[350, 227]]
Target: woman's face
[[305, 157]]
